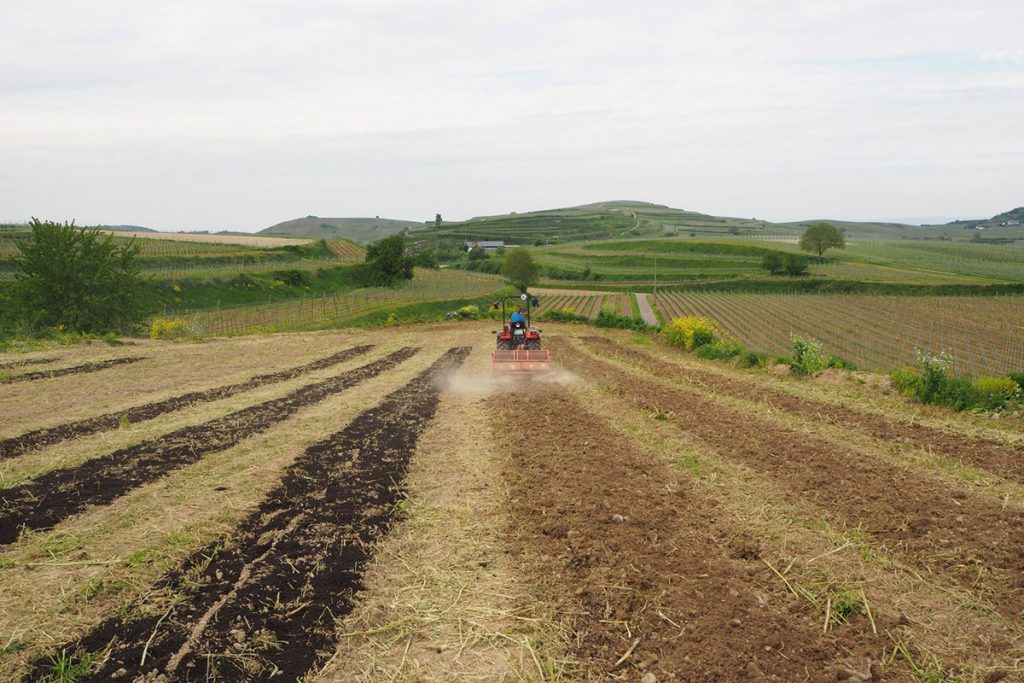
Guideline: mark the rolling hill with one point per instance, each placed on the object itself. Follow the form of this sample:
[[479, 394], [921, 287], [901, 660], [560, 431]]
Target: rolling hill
[[615, 220], [361, 230], [602, 220], [624, 219]]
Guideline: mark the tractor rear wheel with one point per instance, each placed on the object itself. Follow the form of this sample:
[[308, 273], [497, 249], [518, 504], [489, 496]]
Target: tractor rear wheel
[[533, 344], [504, 345]]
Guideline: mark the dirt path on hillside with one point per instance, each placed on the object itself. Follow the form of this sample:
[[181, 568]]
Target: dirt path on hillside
[[997, 458], [46, 500], [646, 312], [262, 604], [963, 535], [650, 580]]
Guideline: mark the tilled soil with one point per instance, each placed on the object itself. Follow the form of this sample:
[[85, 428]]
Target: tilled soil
[[30, 361], [15, 446], [962, 535], [75, 370], [1000, 459], [56, 495], [636, 558], [262, 604]]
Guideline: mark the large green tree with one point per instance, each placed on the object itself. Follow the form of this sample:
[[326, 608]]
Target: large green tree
[[519, 268], [387, 261], [820, 237], [77, 279]]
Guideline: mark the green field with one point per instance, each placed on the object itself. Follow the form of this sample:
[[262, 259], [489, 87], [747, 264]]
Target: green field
[[182, 259], [327, 308], [696, 262]]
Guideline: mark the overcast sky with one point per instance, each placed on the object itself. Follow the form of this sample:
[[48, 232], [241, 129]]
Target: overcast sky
[[239, 115]]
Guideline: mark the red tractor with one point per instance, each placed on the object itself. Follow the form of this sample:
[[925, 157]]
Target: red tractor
[[518, 347]]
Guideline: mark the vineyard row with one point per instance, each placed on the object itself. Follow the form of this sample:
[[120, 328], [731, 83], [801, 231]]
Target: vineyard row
[[984, 335]]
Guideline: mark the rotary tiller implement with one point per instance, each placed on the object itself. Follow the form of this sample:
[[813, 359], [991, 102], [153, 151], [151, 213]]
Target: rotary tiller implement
[[518, 342]]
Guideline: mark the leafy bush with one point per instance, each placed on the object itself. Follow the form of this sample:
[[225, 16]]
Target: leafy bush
[[933, 384], [794, 264], [692, 332], [426, 259], [566, 315], [995, 392], [387, 262], [172, 328], [934, 369], [772, 262], [471, 312], [75, 279], [295, 278], [957, 393], [719, 350], [491, 266], [608, 318], [808, 356], [243, 280], [519, 269], [752, 359], [905, 381]]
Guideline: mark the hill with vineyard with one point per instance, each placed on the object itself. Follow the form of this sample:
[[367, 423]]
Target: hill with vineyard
[[361, 230], [626, 218]]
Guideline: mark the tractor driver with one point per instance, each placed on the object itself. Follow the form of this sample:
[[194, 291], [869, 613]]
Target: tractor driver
[[517, 317]]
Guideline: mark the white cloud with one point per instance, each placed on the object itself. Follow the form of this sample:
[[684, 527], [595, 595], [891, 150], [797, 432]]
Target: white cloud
[[239, 114]]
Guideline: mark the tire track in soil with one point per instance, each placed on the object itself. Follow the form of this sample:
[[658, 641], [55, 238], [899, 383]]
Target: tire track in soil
[[74, 370], [1000, 459], [669, 579], [263, 602], [46, 500], [39, 438], [960, 534]]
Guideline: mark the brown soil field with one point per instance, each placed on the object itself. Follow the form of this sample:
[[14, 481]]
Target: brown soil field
[[73, 370], [22, 363], [379, 505]]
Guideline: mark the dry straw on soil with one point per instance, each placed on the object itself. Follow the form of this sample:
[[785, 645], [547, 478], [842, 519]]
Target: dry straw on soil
[[468, 586], [55, 585], [444, 599], [934, 625]]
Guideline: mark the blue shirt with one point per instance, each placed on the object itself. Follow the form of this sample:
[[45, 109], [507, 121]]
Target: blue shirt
[[517, 317]]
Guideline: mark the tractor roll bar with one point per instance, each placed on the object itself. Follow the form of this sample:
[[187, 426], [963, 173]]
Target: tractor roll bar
[[530, 302]]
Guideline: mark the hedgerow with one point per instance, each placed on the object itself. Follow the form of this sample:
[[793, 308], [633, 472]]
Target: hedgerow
[[932, 383]]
